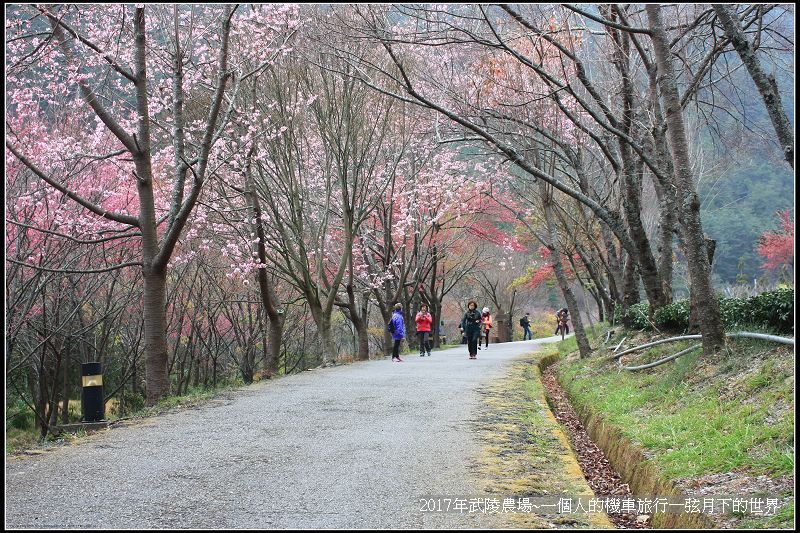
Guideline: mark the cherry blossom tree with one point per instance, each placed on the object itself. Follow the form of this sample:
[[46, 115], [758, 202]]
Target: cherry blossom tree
[[320, 176], [147, 93]]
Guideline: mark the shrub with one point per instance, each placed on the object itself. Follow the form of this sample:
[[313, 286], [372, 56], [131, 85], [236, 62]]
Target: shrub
[[638, 315], [734, 312], [617, 313], [20, 416], [772, 311], [74, 411], [132, 403], [673, 317]]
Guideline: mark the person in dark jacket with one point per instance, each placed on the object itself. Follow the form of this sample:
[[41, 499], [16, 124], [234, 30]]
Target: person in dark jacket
[[525, 322], [398, 328], [471, 326]]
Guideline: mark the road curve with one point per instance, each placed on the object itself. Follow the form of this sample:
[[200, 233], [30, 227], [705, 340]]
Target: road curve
[[353, 446]]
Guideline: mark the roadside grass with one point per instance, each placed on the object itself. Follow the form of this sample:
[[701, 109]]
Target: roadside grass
[[731, 412], [525, 452], [193, 397], [18, 440], [783, 519], [22, 432], [694, 428]]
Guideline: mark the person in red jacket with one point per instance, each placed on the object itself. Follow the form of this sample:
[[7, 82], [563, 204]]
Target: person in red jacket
[[424, 321]]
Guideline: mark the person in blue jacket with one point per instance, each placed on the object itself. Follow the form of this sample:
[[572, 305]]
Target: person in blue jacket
[[398, 328]]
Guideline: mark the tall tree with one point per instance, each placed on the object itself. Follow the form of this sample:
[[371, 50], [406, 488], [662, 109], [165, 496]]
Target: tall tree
[[688, 203]]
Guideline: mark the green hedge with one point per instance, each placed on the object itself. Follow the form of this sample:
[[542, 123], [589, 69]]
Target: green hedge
[[771, 311], [638, 315], [673, 317]]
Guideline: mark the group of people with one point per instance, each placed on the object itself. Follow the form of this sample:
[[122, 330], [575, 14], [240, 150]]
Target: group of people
[[562, 324], [475, 326], [397, 328]]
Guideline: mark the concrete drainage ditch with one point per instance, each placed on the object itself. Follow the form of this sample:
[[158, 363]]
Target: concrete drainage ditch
[[611, 463]]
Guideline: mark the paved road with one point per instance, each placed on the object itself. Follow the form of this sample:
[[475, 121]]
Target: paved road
[[346, 447]]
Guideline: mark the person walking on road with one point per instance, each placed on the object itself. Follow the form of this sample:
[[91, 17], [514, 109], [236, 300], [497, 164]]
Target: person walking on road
[[471, 327], [486, 319], [398, 328], [424, 321], [525, 322]]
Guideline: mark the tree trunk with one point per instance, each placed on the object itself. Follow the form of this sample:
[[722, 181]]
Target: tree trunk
[[179, 384], [323, 323], [52, 413], [274, 346], [613, 265], [663, 188], [359, 323], [328, 346], [363, 332], [630, 284], [602, 304], [65, 386], [386, 315], [134, 377], [572, 304], [246, 367], [155, 335], [648, 270], [600, 294], [630, 290], [509, 335], [192, 357], [40, 399], [632, 186], [363, 344], [688, 202], [433, 298], [269, 299], [436, 315]]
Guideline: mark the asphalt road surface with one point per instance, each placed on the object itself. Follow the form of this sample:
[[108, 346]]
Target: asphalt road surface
[[354, 446]]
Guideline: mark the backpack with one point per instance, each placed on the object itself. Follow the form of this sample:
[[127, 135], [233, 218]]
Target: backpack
[[390, 326], [522, 322]]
